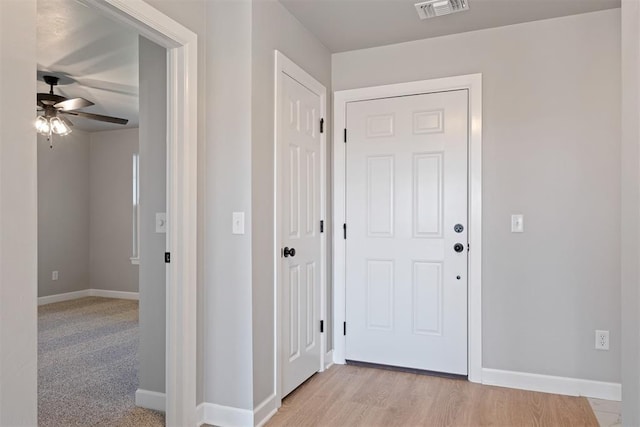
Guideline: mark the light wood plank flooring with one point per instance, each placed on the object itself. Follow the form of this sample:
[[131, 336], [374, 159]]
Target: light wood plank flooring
[[608, 412], [359, 396]]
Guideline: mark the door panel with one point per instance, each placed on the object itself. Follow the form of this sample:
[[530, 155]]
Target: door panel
[[380, 196], [406, 288], [300, 159], [379, 294]]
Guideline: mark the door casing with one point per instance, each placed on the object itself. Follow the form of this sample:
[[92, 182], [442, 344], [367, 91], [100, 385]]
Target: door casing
[[284, 65], [472, 82]]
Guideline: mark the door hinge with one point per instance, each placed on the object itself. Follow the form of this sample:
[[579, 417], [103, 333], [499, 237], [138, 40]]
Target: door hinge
[[344, 231], [344, 328], [345, 135], [167, 257], [468, 247], [321, 125], [322, 226], [322, 326]]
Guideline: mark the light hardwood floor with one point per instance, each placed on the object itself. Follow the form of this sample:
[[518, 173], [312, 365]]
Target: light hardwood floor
[[358, 396], [608, 412]]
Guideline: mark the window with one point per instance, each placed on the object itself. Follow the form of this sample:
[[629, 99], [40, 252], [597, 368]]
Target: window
[[135, 257]]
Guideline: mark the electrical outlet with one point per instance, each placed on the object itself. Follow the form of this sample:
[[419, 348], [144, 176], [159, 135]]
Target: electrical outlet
[[54, 275], [602, 340]]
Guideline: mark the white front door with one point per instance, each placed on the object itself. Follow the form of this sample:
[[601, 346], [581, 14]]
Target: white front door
[[299, 159], [406, 228]]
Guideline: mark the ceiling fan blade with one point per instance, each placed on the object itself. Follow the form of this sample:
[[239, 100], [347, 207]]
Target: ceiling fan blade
[[73, 104], [98, 117], [65, 120]]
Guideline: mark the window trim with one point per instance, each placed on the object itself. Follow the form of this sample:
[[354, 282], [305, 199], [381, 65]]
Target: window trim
[[135, 210]]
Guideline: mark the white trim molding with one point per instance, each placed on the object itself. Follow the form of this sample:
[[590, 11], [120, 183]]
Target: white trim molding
[[227, 416], [151, 399], [472, 83], [114, 294], [182, 142], [284, 66], [552, 384], [328, 359], [265, 410], [68, 296], [224, 416]]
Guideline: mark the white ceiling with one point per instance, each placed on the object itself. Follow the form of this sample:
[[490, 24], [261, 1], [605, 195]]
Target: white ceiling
[[97, 59], [343, 25]]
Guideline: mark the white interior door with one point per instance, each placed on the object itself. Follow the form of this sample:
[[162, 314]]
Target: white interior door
[[406, 210], [299, 155]]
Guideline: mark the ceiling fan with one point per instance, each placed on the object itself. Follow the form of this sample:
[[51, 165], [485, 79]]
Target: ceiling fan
[[56, 107]]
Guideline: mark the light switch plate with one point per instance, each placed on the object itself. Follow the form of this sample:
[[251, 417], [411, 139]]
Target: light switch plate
[[517, 223], [161, 222], [238, 223]]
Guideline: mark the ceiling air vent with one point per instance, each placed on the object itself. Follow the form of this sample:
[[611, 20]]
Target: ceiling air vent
[[433, 8]]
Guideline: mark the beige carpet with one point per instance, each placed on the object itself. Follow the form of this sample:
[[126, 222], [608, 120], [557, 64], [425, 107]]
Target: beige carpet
[[88, 364]]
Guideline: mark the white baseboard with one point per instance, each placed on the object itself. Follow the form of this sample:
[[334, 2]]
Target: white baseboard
[[151, 399], [552, 384], [224, 416], [114, 294], [68, 296], [265, 410], [328, 359], [227, 416], [200, 414]]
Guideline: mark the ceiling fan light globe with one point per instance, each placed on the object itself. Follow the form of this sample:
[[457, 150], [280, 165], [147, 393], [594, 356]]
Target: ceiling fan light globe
[[42, 125], [59, 127]]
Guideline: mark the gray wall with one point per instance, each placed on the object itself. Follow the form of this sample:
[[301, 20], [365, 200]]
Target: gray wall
[[85, 212], [153, 163], [273, 27], [551, 151], [18, 215], [630, 177], [227, 316], [63, 213], [110, 210]]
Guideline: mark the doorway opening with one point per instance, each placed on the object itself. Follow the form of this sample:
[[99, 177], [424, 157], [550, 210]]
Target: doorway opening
[[177, 253]]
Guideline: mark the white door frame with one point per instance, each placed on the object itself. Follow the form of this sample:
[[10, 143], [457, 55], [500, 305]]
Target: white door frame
[[182, 123], [284, 65], [472, 82]]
